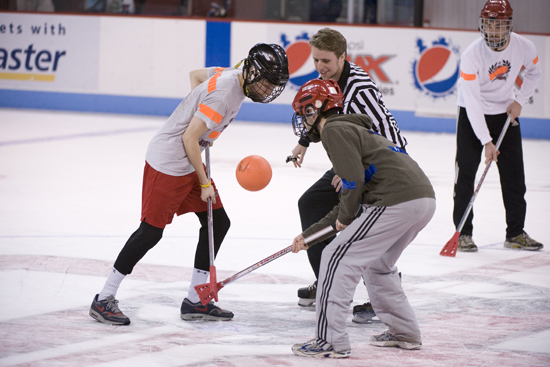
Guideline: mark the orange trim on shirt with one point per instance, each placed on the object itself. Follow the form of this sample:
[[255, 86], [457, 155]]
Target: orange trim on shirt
[[519, 78], [210, 113], [467, 76], [214, 134], [536, 60], [499, 71], [213, 80]]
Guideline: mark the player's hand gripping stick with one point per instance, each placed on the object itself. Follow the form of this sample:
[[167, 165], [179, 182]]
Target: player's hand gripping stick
[[451, 247], [207, 291]]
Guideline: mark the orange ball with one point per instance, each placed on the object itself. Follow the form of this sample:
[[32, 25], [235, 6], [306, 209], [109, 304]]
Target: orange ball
[[253, 173]]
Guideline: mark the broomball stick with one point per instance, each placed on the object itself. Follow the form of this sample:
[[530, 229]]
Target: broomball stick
[[214, 293], [451, 246], [207, 291]]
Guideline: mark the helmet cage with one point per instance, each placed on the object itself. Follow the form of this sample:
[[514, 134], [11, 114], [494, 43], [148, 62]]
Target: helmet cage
[[299, 121], [495, 32]]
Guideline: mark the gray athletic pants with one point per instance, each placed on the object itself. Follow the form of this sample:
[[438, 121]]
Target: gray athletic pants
[[369, 247]]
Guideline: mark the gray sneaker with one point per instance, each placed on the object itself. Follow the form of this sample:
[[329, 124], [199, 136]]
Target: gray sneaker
[[313, 349], [197, 311], [107, 311], [388, 340], [466, 243], [523, 242]]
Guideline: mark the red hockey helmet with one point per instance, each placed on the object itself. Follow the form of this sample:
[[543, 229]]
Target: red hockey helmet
[[495, 23], [315, 96], [497, 9]]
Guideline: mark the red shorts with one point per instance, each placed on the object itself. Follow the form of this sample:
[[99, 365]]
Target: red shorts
[[164, 195]]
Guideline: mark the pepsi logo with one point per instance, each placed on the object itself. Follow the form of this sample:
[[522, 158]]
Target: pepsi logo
[[437, 68], [300, 65]]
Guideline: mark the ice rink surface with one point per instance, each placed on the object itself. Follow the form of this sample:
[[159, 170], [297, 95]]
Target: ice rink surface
[[70, 196]]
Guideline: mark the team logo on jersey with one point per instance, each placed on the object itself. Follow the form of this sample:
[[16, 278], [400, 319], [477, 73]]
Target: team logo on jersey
[[436, 70], [300, 66], [499, 71]]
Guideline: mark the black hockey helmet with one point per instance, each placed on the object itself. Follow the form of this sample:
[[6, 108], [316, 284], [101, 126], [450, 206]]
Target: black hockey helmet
[[265, 72]]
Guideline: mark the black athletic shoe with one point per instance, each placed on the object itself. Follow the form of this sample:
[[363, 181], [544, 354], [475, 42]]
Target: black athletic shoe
[[196, 311], [363, 314], [107, 311], [307, 295]]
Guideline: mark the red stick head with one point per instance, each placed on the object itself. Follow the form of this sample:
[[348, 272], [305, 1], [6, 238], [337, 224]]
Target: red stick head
[[451, 247]]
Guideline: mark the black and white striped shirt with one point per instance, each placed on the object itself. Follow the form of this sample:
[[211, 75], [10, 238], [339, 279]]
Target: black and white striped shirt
[[361, 95]]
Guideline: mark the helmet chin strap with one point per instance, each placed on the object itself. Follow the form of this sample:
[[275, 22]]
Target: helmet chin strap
[[246, 82], [314, 133], [497, 47], [245, 78], [314, 128]]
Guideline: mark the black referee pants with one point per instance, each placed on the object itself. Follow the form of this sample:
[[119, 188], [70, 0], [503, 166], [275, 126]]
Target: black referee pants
[[314, 205], [510, 167]]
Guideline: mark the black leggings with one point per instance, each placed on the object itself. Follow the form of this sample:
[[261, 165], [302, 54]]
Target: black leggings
[[147, 236]]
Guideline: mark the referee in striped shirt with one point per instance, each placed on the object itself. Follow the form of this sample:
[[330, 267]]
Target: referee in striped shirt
[[361, 95]]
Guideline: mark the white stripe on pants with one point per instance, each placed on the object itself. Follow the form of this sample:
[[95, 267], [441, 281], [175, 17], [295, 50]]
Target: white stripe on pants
[[370, 247]]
